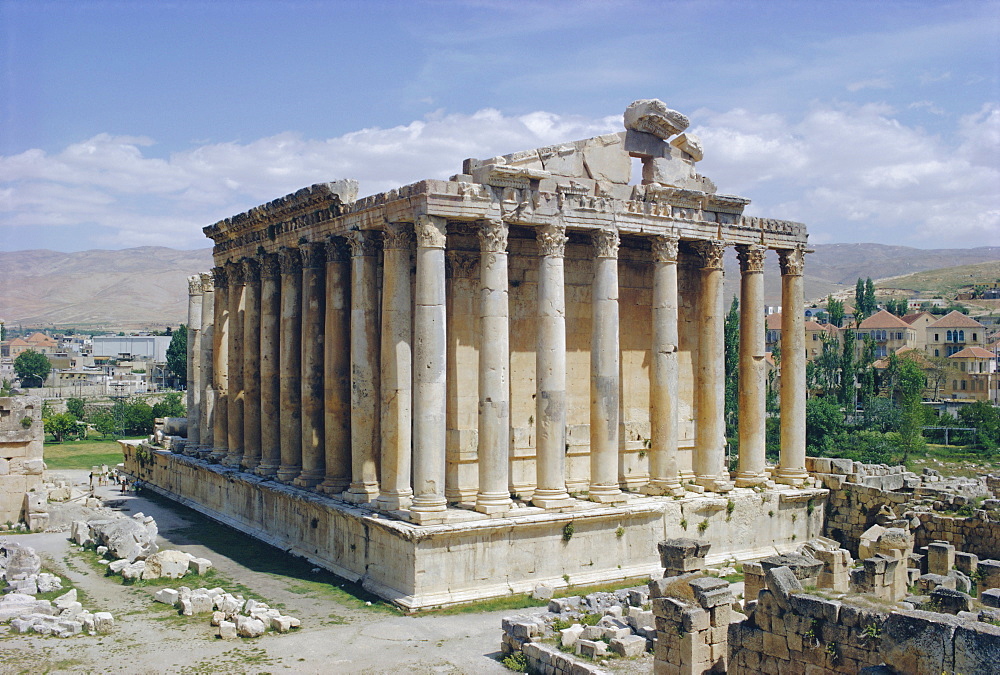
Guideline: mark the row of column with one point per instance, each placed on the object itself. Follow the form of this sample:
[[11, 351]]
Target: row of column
[[296, 374]]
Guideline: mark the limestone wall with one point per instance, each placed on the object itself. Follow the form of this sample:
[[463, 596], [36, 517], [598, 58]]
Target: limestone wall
[[473, 556], [977, 533], [21, 463]]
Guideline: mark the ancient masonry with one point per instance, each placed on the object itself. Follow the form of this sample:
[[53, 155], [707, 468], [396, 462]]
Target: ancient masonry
[[476, 369], [21, 464]]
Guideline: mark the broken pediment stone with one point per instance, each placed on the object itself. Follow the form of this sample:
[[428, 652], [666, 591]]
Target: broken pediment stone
[[690, 144], [654, 117]]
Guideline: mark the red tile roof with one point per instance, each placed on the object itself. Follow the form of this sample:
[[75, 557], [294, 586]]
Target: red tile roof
[[972, 353], [955, 319], [883, 319]]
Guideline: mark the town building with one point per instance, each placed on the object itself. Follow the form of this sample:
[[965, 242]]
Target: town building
[[954, 332]]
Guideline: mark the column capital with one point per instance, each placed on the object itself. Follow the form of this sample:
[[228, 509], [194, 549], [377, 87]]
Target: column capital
[[792, 260], [251, 271], [751, 257], [235, 272], [290, 260], [462, 264], [363, 242], [313, 254], [605, 242], [431, 231], [221, 277], [665, 248], [194, 285], [270, 265], [492, 233], [397, 236], [336, 250], [551, 239], [710, 251], [207, 283]]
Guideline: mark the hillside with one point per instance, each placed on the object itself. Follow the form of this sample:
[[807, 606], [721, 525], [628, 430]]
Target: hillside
[[944, 282], [147, 288]]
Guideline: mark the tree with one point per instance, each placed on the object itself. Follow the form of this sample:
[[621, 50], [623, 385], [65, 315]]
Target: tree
[[731, 332], [104, 422], [61, 426], [870, 304], [909, 391], [177, 353], [170, 406], [826, 367], [824, 419], [848, 390], [32, 367], [985, 417], [76, 406], [836, 309], [859, 300], [867, 371]]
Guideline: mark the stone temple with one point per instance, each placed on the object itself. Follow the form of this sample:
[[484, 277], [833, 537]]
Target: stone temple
[[463, 388]]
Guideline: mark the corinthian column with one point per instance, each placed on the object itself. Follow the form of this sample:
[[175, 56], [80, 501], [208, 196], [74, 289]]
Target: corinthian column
[[193, 364], [364, 367], [337, 369], [397, 367], [494, 367], [550, 371], [753, 377], [270, 369], [220, 366], [792, 460], [429, 355], [206, 419], [251, 365], [313, 307], [290, 400], [604, 370], [237, 304], [663, 472], [710, 387]]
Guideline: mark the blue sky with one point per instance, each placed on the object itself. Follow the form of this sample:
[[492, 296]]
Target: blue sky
[[135, 123]]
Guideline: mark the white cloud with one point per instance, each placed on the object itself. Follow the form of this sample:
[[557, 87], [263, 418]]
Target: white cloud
[[852, 173], [873, 83]]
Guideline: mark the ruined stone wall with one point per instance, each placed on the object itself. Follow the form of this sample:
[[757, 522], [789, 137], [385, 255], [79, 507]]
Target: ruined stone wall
[[977, 534], [21, 450], [854, 508]]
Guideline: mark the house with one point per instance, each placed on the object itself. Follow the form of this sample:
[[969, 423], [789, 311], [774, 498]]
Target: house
[[954, 332], [887, 331], [974, 375], [815, 332], [919, 321]]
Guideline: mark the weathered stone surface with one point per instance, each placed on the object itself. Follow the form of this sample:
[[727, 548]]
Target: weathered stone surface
[[22, 561], [227, 630], [654, 117], [917, 642], [167, 596], [782, 582], [127, 538], [167, 564]]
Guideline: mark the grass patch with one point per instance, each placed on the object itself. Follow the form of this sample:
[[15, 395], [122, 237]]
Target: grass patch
[[84, 454]]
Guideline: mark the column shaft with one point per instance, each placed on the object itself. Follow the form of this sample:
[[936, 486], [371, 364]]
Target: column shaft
[[290, 400], [710, 375], [237, 305], [313, 344], [792, 460], [220, 366], [605, 361], [193, 364], [550, 371], [429, 382], [494, 367], [753, 376], [337, 369], [663, 470], [397, 367], [251, 365], [207, 413], [270, 368]]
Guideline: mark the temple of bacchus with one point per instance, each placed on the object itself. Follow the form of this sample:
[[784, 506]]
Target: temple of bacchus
[[461, 388]]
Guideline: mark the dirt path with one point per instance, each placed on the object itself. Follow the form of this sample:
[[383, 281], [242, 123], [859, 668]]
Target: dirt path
[[339, 633]]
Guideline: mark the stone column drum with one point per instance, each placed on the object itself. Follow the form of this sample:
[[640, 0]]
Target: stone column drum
[[604, 370], [237, 305], [270, 369], [206, 418], [313, 309], [753, 374], [664, 477], [337, 369], [193, 364], [429, 381], [792, 460], [550, 370], [710, 389], [365, 395], [397, 368], [220, 365], [251, 365], [290, 400], [494, 366]]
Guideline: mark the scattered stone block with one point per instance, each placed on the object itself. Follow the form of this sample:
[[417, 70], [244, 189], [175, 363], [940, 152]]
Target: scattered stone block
[[570, 635], [951, 601], [104, 622], [990, 597], [249, 627], [167, 596], [227, 630], [629, 645], [782, 582], [918, 642]]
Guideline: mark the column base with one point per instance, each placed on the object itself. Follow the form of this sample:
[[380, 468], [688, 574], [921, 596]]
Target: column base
[[493, 503], [552, 499], [606, 494], [307, 480], [714, 483], [217, 455], [663, 488], [232, 461], [334, 486], [266, 470], [250, 464], [286, 474], [394, 501], [791, 476], [750, 479], [428, 510], [361, 493]]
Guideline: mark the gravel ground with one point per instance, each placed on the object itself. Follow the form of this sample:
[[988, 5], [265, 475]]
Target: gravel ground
[[338, 634]]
